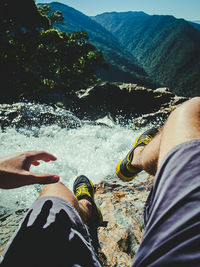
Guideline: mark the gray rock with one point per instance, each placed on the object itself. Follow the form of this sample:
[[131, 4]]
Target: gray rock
[[29, 114]]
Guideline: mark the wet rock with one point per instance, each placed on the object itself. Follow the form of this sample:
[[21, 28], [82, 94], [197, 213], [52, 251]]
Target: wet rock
[[29, 114], [121, 103]]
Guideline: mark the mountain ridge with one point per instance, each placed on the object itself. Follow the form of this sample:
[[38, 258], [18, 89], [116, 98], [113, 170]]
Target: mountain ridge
[[166, 47], [123, 65], [142, 48]]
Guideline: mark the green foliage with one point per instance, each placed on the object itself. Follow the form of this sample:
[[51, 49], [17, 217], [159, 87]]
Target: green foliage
[[13, 17], [53, 17], [35, 58]]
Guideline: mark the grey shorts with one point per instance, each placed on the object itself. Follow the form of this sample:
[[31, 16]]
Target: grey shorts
[[51, 234], [172, 212]]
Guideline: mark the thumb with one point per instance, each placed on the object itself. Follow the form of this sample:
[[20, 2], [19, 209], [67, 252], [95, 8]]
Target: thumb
[[44, 178]]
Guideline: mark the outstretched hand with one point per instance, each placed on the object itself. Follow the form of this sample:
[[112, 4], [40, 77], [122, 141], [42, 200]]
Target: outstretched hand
[[15, 169]]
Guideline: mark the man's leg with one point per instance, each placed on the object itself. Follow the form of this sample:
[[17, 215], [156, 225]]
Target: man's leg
[[182, 125], [83, 206], [52, 233], [171, 213]]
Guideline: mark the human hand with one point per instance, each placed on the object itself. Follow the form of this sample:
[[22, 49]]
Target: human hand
[[15, 169]]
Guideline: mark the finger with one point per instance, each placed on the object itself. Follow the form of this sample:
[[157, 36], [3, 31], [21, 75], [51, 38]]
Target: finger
[[34, 156], [43, 178], [42, 155], [36, 163]]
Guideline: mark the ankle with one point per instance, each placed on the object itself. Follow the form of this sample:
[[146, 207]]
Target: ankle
[[137, 159], [85, 210]]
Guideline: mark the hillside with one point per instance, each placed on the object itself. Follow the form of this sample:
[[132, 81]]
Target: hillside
[[167, 48], [196, 25], [123, 65]]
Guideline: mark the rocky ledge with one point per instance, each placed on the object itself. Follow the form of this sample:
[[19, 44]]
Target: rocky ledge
[[126, 103], [126, 100]]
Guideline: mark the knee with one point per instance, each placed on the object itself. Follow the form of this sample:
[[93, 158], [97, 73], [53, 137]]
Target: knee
[[194, 103], [191, 107]]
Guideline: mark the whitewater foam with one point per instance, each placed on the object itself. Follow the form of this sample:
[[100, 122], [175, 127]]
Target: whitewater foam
[[90, 150]]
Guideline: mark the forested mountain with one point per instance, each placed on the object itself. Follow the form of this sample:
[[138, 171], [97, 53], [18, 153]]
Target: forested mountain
[[123, 67], [196, 25], [166, 47]]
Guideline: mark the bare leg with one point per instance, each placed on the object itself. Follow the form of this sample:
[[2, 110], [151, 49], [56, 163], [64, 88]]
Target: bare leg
[[83, 206], [146, 157], [182, 125]]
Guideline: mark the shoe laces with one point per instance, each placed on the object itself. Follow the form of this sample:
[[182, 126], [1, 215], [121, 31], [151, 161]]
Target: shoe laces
[[146, 140], [82, 190]]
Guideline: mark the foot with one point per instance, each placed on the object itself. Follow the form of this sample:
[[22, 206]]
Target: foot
[[125, 170], [84, 189]]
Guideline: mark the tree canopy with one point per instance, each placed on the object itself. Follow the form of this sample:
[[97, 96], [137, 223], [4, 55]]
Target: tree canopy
[[38, 58]]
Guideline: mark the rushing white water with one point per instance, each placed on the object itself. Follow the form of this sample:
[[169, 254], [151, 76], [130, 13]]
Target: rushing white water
[[90, 150]]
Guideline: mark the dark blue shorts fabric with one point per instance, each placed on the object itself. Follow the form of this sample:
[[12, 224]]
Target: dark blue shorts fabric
[[51, 235], [172, 212]]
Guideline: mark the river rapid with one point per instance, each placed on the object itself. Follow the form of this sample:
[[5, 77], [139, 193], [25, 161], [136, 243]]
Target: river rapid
[[92, 150]]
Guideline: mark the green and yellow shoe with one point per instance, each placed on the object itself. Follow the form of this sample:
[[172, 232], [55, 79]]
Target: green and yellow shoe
[[83, 188], [124, 169]]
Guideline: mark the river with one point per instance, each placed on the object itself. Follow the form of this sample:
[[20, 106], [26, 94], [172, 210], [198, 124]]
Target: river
[[92, 150]]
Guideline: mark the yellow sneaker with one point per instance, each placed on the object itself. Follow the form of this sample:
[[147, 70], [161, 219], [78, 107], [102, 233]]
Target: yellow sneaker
[[124, 169], [83, 188]]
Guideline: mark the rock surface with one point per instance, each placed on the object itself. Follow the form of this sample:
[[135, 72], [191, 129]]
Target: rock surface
[[121, 205], [121, 103], [126, 100], [29, 114], [122, 209]]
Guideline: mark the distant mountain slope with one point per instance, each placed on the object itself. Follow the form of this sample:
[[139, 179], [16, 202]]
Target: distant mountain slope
[[195, 24], [123, 65], [167, 48]]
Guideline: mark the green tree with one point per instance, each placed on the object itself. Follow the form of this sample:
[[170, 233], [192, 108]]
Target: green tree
[[53, 17], [37, 58]]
